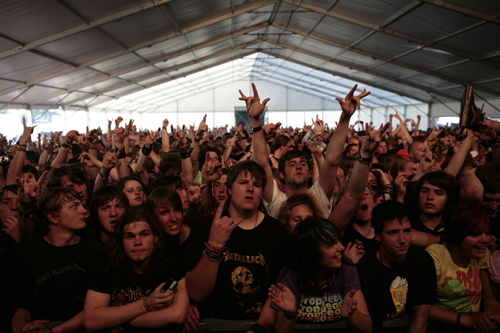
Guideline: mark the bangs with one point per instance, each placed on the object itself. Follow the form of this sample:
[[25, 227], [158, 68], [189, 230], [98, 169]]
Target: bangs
[[327, 235], [479, 224]]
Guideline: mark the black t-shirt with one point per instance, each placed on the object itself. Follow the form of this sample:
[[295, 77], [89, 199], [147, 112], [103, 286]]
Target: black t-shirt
[[350, 235], [390, 292], [495, 229], [245, 274], [100, 280], [417, 224], [51, 280]]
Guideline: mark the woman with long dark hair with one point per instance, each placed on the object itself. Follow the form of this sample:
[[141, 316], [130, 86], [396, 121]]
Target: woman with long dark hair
[[318, 285]]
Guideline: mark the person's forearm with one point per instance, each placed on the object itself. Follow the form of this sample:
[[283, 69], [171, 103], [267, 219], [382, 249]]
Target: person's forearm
[[458, 159], [419, 318], [336, 146], [123, 168], [423, 239], [102, 178], [16, 166], [93, 150], [165, 140], [471, 191], [62, 156], [106, 317], [21, 317], [141, 163], [360, 322], [187, 169], [443, 316], [176, 313], [283, 324], [75, 324], [201, 280], [43, 158]]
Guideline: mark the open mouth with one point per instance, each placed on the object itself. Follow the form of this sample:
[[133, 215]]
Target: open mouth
[[364, 207]]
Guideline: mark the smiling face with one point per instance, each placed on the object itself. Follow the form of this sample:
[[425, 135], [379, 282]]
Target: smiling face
[[246, 192], [170, 220], [333, 256], [432, 199], [474, 246], [134, 192], [490, 204], [139, 243], [394, 241]]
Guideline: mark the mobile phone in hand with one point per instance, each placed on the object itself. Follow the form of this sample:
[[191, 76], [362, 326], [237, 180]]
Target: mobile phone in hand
[[171, 284]]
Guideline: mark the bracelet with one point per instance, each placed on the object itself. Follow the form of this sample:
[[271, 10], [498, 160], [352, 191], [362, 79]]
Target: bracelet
[[365, 161], [142, 307], [459, 315], [258, 328], [146, 305], [494, 142], [214, 247], [291, 315], [100, 174], [164, 128], [94, 147], [146, 151], [387, 190], [65, 146], [212, 256], [186, 152], [196, 139], [257, 129], [21, 149]]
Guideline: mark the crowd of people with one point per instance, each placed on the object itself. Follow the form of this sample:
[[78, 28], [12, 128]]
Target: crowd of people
[[141, 230]]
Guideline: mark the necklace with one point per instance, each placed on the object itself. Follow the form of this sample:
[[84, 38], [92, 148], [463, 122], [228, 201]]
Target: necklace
[[327, 285]]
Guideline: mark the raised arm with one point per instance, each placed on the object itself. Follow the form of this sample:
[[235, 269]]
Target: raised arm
[[346, 207], [260, 155], [328, 171], [18, 161]]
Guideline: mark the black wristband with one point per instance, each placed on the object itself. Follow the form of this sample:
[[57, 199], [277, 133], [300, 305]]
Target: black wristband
[[290, 315], [365, 161], [256, 129], [146, 151]]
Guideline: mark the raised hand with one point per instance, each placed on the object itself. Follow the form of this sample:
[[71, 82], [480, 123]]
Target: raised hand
[[427, 160], [194, 193], [349, 305], [319, 126], [372, 139], [254, 106], [30, 189], [165, 123], [222, 227], [26, 132], [211, 171], [202, 128], [352, 102], [110, 160], [118, 121], [71, 137], [400, 183], [485, 133], [192, 321], [89, 160], [283, 297]]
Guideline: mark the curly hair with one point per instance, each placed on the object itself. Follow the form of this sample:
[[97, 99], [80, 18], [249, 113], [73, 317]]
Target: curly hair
[[119, 265], [294, 201]]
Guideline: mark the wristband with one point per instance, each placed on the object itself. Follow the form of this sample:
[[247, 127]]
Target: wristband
[[94, 147], [365, 161], [146, 151], [459, 315], [100, 174], [257, 129], [65, 146], [197, 139], [21, 149], [291, 315]]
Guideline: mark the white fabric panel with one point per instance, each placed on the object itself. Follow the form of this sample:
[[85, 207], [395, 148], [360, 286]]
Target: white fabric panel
[[200, 102], [75, 120], [365, 115], [378, 117], [295, 119], [226, 97], [330, 117], [301, 101], [98, 119], [331, 105], [169, 107], [223, 119], [277, 117]]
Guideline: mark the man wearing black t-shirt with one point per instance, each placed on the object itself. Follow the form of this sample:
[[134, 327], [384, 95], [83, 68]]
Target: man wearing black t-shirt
[[125, 286], [233, 257], [50, 270], [396, 278]]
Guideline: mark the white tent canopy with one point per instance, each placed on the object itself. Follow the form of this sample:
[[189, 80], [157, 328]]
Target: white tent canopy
[[163, 56]]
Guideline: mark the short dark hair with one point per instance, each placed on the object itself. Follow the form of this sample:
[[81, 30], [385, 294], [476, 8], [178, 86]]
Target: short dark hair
[[279, 141], [388, 211], [27, 168], [52, 201], [163, 197], [106, 194], [290, 155], [250, 166], [174, 182], [74, 172], [444, 181]]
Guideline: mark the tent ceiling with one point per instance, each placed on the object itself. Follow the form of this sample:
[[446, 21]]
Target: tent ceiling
[[141, 55]]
